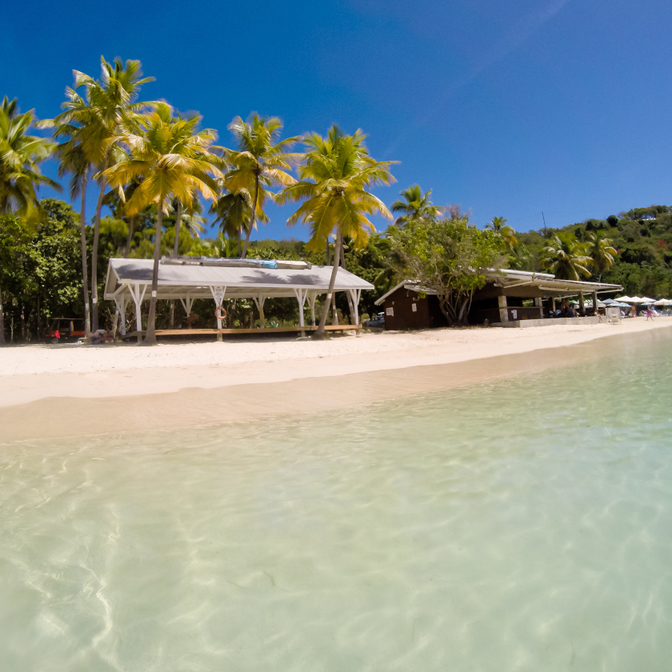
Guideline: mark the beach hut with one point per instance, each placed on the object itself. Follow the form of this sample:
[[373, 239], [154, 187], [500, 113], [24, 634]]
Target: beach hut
[[189, 278]]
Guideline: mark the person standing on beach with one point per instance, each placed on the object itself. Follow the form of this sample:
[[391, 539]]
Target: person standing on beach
[[649, 313]]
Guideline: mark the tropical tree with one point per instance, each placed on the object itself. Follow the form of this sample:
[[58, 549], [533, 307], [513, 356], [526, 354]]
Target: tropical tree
[[20, 156], [173, 160], [260, 162], [504, 231], [94, 122], [335, 176], [566, 257], [234, 215], [601, 252], [448, 256], [414, 205]]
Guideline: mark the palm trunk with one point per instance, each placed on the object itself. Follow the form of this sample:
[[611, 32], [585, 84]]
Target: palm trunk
[[150, 335], [94, 254], [85, 278], [351, 306], [254, 218], [178, 221], [330, 292], [2, 321], [129, 239]]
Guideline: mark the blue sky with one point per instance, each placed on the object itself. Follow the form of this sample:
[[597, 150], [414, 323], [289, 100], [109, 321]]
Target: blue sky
[[507, 108]]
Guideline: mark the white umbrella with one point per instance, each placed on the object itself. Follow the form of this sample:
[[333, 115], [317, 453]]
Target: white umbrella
[[646, 299], [663, 302], [625, 299]]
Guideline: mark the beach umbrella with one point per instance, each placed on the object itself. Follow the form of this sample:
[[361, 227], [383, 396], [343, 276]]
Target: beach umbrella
[[646, 299], [625, 299], [611, 302], [663, 302]]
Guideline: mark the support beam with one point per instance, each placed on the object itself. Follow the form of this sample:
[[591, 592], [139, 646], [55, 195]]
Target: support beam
[[355, 295], [260, 300], [503, 309], [582, 310], [595, 303], [120, 302], [187, 303], [218, 295], [301, 295], [538, 304], [138, 294]]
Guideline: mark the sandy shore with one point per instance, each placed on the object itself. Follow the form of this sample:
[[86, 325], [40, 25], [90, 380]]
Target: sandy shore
[[66, 390]]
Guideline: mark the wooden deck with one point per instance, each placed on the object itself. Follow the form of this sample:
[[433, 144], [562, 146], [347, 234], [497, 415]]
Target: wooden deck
[[241, 332]]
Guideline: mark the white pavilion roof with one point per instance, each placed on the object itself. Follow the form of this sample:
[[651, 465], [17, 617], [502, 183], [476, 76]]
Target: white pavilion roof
[[241, 278]]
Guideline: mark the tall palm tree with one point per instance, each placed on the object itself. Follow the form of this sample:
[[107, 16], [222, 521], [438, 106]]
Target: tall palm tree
[[566, 258], [173, 160], [415, 205], [506, 232], [233, 214], [601, 252], [260, 162], [335, 176], [95, 120], [20, 156]]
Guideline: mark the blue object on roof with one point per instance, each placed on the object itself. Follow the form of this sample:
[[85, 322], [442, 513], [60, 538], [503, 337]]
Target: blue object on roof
[[268, 263]]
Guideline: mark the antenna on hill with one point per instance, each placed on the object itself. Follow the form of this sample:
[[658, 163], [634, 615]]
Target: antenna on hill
[[544, 218]]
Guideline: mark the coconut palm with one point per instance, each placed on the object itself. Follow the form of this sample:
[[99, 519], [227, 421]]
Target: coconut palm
[[506, 232], [233, 214], [260, 162], [173, 160], [602, 253], [334, 176], [415, 205], [189, 218], [94, 121], [20, 156], [566, 258]]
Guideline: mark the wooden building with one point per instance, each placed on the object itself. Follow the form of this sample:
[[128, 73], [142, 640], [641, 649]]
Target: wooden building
[[510, 299]]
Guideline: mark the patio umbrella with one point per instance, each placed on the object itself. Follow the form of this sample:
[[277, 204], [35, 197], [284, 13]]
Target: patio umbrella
[[663, 302], [610, 302], [625, 299], [647, 300]]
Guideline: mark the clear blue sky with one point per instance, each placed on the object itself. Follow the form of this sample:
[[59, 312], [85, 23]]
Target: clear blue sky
[[507, 108]]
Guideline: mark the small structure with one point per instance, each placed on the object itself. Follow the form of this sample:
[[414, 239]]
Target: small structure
[[510, 298], [190, 278], [411, 306]]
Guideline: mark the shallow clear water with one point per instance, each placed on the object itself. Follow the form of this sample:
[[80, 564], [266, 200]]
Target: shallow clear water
[[520, 525]]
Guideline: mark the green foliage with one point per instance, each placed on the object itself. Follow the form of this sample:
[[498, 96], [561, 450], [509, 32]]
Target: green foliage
[[448, 256]]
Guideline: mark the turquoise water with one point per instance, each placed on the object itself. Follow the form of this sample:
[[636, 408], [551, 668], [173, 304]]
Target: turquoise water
[[525, 524]]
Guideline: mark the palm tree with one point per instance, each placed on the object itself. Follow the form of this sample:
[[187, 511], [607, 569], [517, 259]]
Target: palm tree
[[190, 218], [334, 177], [20, 156], [415, 205], [506, 232], [20, 176], [174, 161], [601, 252], [234, 215], [95, 121], [260, 162], [566, 258]]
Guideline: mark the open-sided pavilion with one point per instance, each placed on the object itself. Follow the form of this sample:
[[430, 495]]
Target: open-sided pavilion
[[190, 278]]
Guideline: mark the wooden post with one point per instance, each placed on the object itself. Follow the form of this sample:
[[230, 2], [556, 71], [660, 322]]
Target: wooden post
[[582, 310], [503, 309], [538, 304], [594, 303]]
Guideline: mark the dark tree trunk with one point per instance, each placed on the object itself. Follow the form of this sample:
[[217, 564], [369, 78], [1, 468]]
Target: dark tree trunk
[[2, 320], [150, 334], [85, 271], [94, 255], [332, 281], [254, 218]]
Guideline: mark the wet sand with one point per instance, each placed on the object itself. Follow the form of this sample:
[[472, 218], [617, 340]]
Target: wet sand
[[55, 402]]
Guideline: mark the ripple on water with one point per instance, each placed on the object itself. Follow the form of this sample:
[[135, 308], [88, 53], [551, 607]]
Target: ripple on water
[[523, 524]]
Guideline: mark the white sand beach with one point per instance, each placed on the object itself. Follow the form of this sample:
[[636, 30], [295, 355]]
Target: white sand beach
[[177, 385]]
